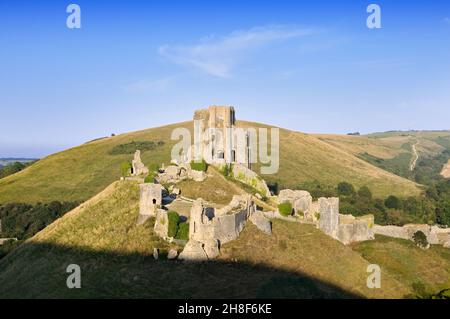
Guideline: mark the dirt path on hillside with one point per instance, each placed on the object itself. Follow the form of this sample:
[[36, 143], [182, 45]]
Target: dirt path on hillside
[[415, 157], [446, 170]]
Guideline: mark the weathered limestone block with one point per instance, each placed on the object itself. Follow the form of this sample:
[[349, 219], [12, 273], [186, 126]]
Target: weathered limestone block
[[138, 168], [355, 229], [150, 198], [197, 176], [228, 227], [193, 251], [391, 231], [211, 248], [161, 227], [249, 177], [301, 201], [261, 222], [238, 202], [172, 254], [329, 216]]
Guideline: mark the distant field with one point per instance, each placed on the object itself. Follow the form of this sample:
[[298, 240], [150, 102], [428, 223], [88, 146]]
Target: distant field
[[7, 161], [393, 151]]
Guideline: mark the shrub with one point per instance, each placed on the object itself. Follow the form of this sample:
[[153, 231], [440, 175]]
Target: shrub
[[149, 178], [183, 231], [199, 166], [174, 220], [125, 169], [285, 209], [392, 202], [345, 189], [364, 192], [420, 239], [347, 208]]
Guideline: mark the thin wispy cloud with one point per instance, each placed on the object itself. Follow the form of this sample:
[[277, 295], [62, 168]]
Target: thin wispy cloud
[[218, 56], [144, 86]]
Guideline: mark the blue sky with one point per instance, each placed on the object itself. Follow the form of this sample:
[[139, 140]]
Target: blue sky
[[311, 66]]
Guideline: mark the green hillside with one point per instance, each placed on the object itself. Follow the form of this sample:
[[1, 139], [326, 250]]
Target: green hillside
[[81, 172], [115, 256], [116, 260], [426, 272], [394, 152]]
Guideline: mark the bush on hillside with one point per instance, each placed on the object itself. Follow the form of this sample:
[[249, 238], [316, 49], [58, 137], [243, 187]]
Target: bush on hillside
[[392, 202], [285, 209], [420, 239], [364, 192], [174, 220], [199, 166], [183, 231], [345, 189]]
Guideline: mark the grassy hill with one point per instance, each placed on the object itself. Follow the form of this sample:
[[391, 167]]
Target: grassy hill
[[425, 271], [115, 256], [81, 172], [393, 151]]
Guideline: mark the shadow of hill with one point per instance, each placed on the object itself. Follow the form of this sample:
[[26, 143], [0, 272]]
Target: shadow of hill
[[38, 270]]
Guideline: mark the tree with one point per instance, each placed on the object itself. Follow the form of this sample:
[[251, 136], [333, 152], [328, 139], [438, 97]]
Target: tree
[[392, 202], [345, 189], [420, 239], [364, 192], [443, 212]]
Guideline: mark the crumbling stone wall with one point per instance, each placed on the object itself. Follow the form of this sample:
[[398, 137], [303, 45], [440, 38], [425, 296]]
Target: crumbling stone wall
[[300, 200], [435, 235], [138, 168], [161, 227], [354, 229], [329, 216], [224, 224], [150, 200], [249, 177]]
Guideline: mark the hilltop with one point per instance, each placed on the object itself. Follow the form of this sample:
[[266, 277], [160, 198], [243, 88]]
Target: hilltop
[[81, 172]]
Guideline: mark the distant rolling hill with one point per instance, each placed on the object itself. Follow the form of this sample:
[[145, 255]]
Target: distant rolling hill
[[394, 151], [79, 173]]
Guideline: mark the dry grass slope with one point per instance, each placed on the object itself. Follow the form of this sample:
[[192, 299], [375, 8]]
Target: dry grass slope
[[81, 172]]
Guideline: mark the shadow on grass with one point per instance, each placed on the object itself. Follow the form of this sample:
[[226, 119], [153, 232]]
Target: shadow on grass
[[39, 271]]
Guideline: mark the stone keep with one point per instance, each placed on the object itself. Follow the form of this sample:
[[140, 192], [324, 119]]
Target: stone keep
[[150, 198], [329, 216], [138, 168]]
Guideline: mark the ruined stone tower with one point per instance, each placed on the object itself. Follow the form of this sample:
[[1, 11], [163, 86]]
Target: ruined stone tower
[[220, 140]]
